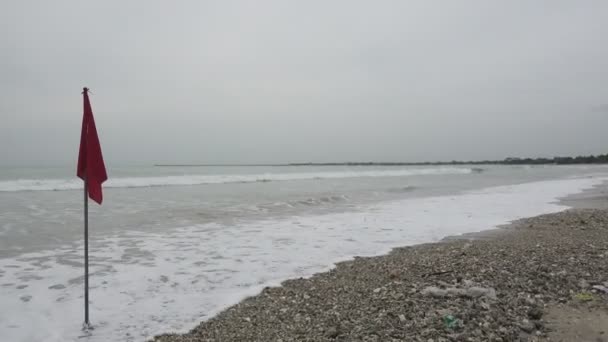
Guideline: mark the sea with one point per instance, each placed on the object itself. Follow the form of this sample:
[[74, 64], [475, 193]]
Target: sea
[[172, 246]]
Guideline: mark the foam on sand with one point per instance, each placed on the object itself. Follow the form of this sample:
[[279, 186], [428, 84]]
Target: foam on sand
[[144, 284]]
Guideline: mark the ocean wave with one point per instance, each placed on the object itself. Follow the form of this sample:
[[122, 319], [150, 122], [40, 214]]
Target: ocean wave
[[308, 202], [403, 189], [139, 182]]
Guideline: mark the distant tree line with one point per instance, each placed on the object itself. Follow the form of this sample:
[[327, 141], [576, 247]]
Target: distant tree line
[[599, 159]]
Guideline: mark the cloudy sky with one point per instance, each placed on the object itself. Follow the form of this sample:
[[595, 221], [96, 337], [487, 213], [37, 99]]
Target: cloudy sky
[[292, 81]]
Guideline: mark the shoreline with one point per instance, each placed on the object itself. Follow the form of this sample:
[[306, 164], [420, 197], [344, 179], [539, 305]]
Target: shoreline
[[371, 297], [593, 198]]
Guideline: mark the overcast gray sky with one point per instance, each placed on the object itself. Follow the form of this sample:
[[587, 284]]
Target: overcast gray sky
[[293, 81]]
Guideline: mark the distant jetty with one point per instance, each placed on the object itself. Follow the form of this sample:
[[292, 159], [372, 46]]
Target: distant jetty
[[599, 159]]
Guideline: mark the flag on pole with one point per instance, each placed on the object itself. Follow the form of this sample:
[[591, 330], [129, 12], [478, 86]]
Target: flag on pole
[[91, 168]]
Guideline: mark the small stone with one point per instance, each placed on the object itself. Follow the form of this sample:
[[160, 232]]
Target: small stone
[[402, 317], [332, 332], [377, 290], [535, 313], [527, 326]]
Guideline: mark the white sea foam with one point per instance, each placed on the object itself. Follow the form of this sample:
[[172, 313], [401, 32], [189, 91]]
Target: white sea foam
[[137, 182], [144, 284]]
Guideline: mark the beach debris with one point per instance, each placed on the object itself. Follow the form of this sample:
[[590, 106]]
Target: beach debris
[[450, 321], [601, 288], [584, 296], [434, 291], [471, 292], [477, 292]]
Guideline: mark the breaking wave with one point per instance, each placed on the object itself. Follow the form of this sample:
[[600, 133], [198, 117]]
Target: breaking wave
[[306, 202], [139, 182], [403, 189]]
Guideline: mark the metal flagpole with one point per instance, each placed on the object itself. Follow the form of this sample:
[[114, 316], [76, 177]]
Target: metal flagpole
[[87, 323]]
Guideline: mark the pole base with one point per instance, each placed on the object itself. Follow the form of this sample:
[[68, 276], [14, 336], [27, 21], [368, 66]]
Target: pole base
[[86, 326], [87, 330]]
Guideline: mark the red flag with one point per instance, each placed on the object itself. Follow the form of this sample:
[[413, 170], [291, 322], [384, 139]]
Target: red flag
[[91, 168]]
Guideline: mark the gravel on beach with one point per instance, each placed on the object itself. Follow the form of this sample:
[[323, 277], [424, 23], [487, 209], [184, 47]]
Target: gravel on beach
[[520, 283]]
